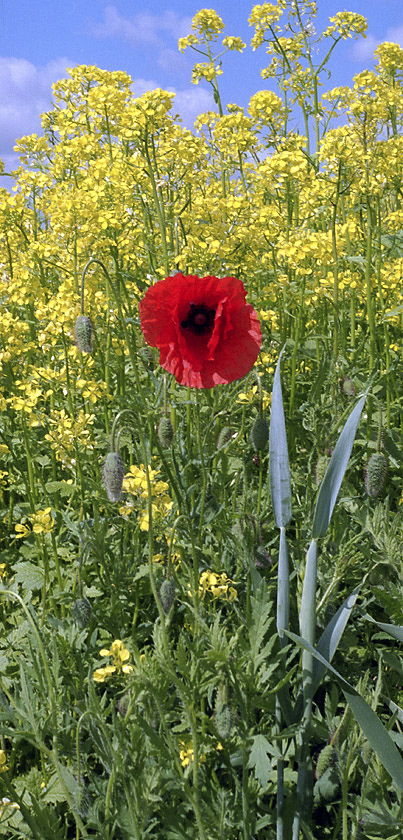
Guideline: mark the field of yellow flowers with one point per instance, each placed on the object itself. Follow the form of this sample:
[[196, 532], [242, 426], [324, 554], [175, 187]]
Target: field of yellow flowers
[[174, 664]]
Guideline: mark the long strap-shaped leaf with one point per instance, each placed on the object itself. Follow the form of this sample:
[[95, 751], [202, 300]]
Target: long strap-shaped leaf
[[372, 727], [279, 467], [330, 638], [325, 503], [394, 630], [330, 486], [327, 645], [280, 488]]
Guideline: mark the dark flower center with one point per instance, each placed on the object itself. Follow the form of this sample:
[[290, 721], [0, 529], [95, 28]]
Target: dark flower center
[[200, 319]]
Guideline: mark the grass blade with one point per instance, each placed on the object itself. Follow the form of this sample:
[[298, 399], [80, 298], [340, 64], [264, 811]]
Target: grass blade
[[330, 638], [373, 729], [279, 467], [283, 596], [330, 485], [393, 630]]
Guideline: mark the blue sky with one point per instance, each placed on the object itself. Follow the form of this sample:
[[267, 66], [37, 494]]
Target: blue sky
[[39, 39]]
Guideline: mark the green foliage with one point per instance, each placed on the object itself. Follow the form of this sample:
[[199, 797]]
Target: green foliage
[[150, 685]]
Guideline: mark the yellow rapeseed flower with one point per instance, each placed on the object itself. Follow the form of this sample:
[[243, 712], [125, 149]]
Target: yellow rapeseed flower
[[120, 656]]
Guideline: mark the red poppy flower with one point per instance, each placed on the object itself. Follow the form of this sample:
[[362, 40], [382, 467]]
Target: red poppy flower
[[205, 331]]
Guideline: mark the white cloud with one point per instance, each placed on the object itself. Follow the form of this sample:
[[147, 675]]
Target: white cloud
[[395, 35], [363, 50], [188, 103], [191, 102], [25, 93], [142, 28], [172, 61]]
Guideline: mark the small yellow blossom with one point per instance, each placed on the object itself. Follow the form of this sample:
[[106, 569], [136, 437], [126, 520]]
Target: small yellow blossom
[[120, 656], [22, 530], [217, 586], [186, 754], [248, 397], [346, 24], [207, 23], [7, 805], [100, 674], [233, 43], [42, 521], [205, 70], [3, 762], [135, 483]]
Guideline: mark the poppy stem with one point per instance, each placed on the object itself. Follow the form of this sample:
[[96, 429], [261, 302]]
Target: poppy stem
[[203, 468]]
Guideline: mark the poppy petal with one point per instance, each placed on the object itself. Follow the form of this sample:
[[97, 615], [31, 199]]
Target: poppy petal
[[205, 331]]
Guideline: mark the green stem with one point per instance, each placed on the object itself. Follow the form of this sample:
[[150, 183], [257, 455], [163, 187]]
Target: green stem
[[203, 468], [161, 223], [335, 269], [283, 599], [108, 798], [307, 622]]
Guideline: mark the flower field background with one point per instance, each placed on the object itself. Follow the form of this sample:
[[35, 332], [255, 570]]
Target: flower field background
[[148, 684]]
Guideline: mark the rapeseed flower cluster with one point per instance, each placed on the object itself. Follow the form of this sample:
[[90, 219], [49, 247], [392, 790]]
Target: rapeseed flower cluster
[[120, 656], [217, 585], [136, 485], [67, 435], [41, 522], [116, 176], [186, 754]]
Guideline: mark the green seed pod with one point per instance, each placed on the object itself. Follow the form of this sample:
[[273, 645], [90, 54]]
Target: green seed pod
[[123, 703], [328, 786], [366, 752], [324, 760], [375, 474], [260, 433], [347, 386], [147, 354], [165, 432], [224, 437], [81, 612], [167, 594], [320, 468], [82, 799], [222, 696], [223, 717], [113, 475], [83, 333], [262, 557]]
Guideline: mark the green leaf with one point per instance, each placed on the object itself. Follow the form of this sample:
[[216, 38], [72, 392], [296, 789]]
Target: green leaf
[[391, 313], [330, 485], [283, 587], [29, 576], [258, 624], [392, 629], [373, 729], [59, 487], [307, 613], [394, 708], [259, 760], [66, 778], [330, 638], [279, 467]]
